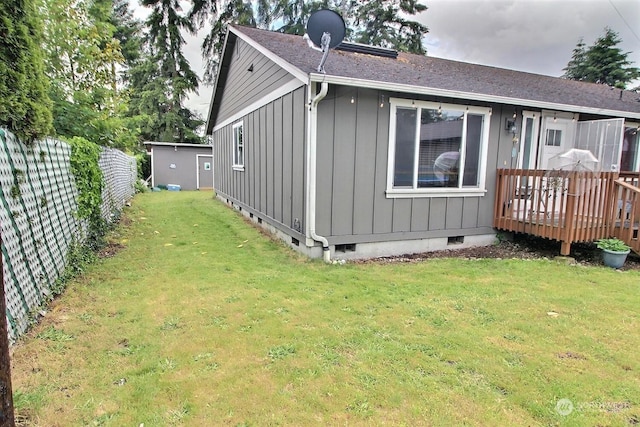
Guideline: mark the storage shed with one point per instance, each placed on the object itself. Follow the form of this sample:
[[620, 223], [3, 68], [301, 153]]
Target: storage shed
[[188, 165]]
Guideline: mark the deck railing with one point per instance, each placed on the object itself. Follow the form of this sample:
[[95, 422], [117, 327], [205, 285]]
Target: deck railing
[[577, 206], [626, 216]]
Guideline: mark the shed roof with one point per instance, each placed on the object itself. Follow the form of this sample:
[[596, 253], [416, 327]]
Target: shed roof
[[176, 144], [197, 147], [443, 77]]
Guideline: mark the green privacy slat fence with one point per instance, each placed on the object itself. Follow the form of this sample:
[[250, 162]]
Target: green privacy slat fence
[[38, 200]]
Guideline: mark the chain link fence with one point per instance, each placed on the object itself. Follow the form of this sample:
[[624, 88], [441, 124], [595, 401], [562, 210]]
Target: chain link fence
[[38, 202]]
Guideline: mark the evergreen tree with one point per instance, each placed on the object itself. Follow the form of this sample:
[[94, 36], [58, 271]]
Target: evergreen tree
[[164, 78], [292, 15], [602, 62], [25, 107], [381, 23], [219, 14], [128, 32], [576, 68]]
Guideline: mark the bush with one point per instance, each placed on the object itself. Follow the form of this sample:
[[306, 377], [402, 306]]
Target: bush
[[613, 244], [85, 156]]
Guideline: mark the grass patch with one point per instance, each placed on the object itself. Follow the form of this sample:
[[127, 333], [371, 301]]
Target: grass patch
[[200, 319], [281, 351], [53, 334]]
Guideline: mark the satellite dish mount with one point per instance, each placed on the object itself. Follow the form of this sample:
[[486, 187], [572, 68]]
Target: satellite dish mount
[[326, 29]]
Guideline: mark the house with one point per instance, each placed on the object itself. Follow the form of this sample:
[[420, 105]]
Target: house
[[392, 153], [188, 165]]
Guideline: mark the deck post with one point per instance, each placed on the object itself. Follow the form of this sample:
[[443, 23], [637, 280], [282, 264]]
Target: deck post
[[568, 232], [611, 204]]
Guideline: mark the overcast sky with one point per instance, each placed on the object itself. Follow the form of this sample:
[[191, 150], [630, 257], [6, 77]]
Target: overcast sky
[[536, 36]]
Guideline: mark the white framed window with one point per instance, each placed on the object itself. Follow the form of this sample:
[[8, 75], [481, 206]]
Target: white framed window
[[528, 139], [554, 138], [238, 146], [437, 149], [630, 155]]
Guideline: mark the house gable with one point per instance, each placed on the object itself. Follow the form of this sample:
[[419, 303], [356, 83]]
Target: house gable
[[249, 77]]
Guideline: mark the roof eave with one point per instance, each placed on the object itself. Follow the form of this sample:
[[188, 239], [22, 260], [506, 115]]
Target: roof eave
[[291, 69], [287, 66], [210, 118], [423, 90], [175, 144]]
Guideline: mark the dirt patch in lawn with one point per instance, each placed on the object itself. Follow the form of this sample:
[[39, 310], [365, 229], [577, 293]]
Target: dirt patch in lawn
[[110, 249]]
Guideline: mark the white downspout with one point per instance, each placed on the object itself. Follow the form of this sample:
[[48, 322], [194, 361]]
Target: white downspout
[[312, 137]]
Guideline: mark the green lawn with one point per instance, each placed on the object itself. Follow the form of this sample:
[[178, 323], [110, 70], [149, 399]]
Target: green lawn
[[202, 320]]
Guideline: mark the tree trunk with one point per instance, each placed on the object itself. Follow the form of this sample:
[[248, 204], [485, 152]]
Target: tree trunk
[[6, 394]]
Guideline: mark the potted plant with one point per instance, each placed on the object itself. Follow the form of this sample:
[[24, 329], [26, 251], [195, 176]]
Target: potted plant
[[614, 252]]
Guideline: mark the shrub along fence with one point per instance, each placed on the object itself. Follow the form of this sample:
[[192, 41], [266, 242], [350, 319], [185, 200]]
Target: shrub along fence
[[39, 217]]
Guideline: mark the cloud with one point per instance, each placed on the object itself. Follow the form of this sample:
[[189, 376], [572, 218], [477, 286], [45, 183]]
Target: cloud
[[197, 102], [528, 35]]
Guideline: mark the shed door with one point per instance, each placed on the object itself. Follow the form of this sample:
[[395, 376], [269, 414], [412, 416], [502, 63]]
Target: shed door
[[205, 172]]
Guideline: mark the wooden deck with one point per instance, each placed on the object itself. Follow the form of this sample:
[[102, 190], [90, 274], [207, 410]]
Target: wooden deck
[[569, 206]]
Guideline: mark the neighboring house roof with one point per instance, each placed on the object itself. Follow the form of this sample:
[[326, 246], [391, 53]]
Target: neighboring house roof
[[441, 130], [442, 77]]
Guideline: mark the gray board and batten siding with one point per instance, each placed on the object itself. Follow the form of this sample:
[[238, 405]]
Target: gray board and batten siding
[[352, 157], [273, 180], [352, 160], [178, 164], [352, 205], [251, 76]]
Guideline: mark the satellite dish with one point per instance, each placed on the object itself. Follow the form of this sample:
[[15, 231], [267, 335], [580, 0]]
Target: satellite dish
[[326, 29], [326, 21]]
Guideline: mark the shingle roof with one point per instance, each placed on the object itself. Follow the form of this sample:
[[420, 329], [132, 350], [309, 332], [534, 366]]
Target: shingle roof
[[443, 74]]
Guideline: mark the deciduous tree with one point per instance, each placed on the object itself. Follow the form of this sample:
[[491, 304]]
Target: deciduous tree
[[84, 60]]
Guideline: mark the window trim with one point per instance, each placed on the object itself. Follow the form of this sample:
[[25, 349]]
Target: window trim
[[236, 165], [636, 161], [460, 191], [534, 116], [557, 138]]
